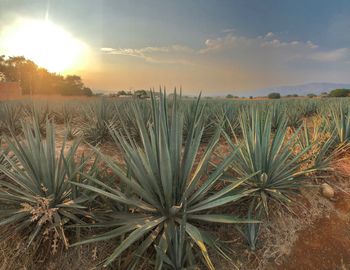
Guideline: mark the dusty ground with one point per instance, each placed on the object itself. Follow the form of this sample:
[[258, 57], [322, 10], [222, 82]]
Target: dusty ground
[[325, 243]]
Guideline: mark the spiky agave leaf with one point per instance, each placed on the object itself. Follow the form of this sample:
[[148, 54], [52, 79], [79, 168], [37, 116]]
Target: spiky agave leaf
[[3, 153], [278, 171], [340, 121], [295, 118], [10, 115], [36, 195], [320, 142], [278, 114], [66, 113], [38, 113], [231, 113], [270, 156], [251, 230], [95, 121], [125, 119], [168, 189]]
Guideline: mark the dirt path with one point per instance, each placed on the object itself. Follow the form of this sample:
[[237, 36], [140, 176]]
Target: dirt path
[[326, 244]]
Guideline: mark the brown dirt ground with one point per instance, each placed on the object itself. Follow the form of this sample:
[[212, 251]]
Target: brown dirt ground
[[325, 244]]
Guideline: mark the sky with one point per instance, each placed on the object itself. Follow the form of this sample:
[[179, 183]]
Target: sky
[[214, 46]]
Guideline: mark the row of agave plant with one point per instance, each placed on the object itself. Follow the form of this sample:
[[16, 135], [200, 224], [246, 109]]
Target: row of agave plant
[[91, 119], [158, 203]]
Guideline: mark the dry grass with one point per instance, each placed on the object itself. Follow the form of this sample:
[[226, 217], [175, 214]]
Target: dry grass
[[14, 255]]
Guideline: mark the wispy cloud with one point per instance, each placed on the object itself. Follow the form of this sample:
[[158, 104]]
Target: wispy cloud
[[238, 51], [228, 30], [249, 62], [154, 54], [231, 41], [273, 47], [331, 56], [269, 35]]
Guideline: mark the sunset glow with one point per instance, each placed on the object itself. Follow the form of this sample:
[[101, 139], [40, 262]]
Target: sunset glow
[[232, 47], [45, 43]]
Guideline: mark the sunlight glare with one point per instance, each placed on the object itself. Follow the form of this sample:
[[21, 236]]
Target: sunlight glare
[[45, 43]]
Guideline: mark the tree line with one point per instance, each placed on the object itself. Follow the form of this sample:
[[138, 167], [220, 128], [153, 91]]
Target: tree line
[[333, 93], [35, 80]]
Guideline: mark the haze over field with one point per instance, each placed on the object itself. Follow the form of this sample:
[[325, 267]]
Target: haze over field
[[228, 46]]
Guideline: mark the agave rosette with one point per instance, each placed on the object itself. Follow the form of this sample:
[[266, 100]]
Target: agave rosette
[[35, 194], [166, 190]]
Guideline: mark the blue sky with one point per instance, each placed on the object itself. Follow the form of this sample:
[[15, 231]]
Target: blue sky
[[214, 46]]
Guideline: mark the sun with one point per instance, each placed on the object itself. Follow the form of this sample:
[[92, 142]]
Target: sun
[[45, 43]]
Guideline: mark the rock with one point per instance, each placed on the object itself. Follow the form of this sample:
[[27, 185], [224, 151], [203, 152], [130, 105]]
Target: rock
[[327, 191]]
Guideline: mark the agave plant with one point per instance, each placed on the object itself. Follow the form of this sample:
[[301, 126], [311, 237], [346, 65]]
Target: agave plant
[[165, 192], [95, 121], [278, 114], [320, 142], [278, 170], [10, 115], [3, 153], [38, 113], [295, 118], [65, 113], [309, 108], [340, 121], [36, 196], [125, 117], [231, 114]]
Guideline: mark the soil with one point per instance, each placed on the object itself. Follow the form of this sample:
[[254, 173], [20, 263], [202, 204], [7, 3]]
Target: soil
[[325, 244]]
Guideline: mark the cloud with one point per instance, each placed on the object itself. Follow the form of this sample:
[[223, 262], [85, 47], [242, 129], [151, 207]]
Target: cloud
[[220, 43], [228, 30], [270, 46], [269, 35], [230, 61], [331, 56], [311, 45], [107, 50], [231, 50], [154, 54], [233, 42]]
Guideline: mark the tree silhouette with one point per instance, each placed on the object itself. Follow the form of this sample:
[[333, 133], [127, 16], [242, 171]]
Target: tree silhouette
[[36, 80]]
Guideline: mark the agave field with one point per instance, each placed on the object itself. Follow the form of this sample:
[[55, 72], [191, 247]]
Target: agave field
[[164, 183]]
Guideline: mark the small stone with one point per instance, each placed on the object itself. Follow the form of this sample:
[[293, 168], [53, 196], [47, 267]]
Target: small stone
[[327, 191]]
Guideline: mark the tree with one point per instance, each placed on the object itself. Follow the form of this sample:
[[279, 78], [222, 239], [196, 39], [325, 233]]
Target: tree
[[71, 86], [291, 95], [37, 80], [87, 91], [141, 94], [229, 96], [311, 95], [274, 96], [339, 93], [121, 93]]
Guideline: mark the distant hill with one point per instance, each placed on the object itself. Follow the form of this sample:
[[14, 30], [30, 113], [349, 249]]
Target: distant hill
[[301, 90]]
